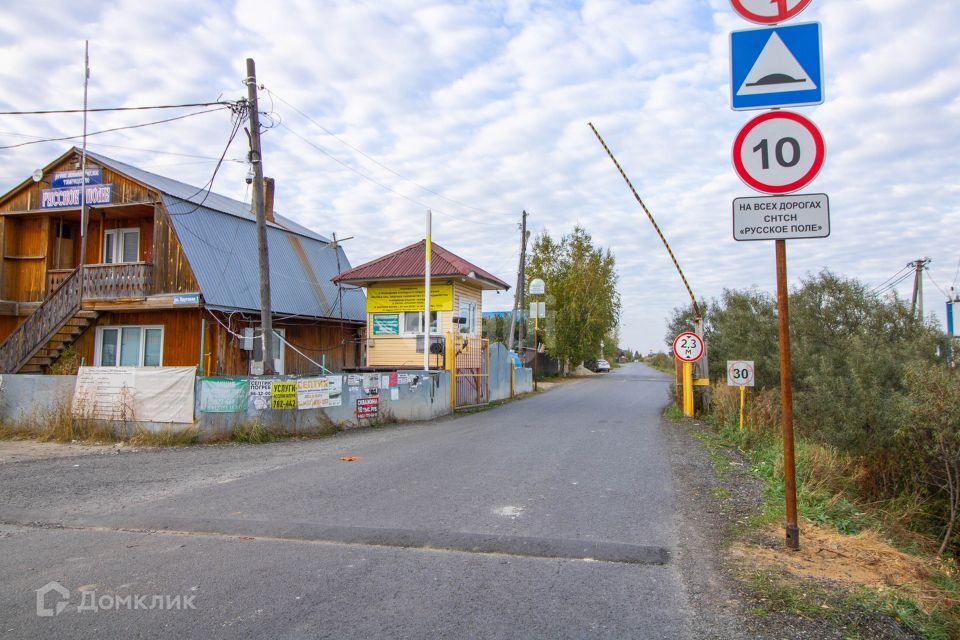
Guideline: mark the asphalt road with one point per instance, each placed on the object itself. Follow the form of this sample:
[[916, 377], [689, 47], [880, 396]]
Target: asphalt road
[[550, 517]]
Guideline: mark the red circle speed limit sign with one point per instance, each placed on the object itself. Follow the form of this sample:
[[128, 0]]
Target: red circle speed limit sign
[[768, 11], [740, 373], [778, 152], [688, 346]]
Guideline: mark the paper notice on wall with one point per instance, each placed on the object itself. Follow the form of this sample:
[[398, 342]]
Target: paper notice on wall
[[223, 395], [371, 383], [385, 381], [403, 378], [261, 392], [354, 380], [145, 394], [335, 390], [394, 379], [395, 393], [312, 393]]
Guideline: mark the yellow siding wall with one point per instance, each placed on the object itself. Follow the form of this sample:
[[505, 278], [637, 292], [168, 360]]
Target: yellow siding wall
[[399, 351]]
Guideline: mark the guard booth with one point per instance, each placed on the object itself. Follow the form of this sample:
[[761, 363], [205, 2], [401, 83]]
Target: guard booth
[[397, 333]]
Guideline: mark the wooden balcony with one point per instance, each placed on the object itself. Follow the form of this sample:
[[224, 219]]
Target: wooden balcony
[[116, 281]]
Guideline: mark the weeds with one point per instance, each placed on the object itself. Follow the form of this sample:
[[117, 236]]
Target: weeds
[[166, 437]]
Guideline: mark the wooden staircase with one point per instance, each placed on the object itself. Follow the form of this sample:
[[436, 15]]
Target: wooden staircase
[[46, 332], [63, 338]]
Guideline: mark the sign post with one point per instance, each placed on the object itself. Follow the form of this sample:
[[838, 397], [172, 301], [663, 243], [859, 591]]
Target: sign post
[[741, 373], [777, 153], [688, 348]]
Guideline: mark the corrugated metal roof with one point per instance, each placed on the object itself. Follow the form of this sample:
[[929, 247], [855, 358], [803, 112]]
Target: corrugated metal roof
[[409, 263], [220, 242], [198, 195], [222, 251]]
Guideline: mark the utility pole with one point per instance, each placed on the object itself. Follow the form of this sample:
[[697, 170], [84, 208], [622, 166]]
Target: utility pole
[[256, 162], [518, 291], [523, 280], [917, 303], [426, 295], [83, 162]]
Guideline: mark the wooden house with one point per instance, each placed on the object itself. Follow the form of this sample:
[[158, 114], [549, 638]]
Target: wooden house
[[169, 277], [395, 303]]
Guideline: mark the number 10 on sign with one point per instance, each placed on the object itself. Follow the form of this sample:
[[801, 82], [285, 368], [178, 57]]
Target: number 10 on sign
[[778, 152]]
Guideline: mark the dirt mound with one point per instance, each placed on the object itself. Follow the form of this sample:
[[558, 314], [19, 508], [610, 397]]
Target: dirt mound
[[864, 559]]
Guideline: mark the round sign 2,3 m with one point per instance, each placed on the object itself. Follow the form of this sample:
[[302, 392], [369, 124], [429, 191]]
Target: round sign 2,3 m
[[768, 11], [778, 152], [688, 346]]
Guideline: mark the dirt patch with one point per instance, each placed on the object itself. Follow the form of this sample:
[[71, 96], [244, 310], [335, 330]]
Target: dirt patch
[[862, 560], [20, 450]]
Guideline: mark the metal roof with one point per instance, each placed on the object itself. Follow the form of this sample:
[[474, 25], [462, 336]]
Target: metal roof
[[222, 251], [409, 262], [220, 242], [199, 195]]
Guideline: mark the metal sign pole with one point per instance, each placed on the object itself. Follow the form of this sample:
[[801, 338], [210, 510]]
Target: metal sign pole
[[786, 398]]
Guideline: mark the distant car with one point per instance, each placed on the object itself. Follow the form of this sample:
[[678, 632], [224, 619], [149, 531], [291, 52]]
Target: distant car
[[603, 365]]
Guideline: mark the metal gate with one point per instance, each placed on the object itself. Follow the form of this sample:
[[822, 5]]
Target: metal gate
[[471, 372]]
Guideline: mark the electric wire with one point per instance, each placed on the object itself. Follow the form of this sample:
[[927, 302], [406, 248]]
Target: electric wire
[[893, 285], [387, 187], [936, 284], [44, 112], [377, 162], [323, 369], [879, 286], [124, 128]]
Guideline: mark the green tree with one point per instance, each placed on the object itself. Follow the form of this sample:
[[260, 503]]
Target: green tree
[[583, 306], [930, 427]]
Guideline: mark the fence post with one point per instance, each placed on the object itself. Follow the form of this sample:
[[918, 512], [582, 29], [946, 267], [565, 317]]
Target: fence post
[[450, 362]]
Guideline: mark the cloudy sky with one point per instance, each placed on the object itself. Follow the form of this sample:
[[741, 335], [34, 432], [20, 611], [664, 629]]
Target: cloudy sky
[[479, 110]]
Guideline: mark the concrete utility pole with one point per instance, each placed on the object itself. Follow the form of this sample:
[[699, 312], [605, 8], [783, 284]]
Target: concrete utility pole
[[83, 162], [523, 280], [256, 162], [917, 304], [518, 292]]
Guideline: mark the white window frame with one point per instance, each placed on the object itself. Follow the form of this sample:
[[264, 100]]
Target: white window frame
[[117, 253], [470, 315], [280, 360], [434, 330], [98, 342]]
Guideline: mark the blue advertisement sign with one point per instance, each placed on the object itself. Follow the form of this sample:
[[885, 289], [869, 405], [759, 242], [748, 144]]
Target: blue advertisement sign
[[72, 178], [776, 67], [70, 196]]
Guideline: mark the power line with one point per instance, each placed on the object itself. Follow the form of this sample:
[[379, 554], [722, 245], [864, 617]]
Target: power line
[[882, 290], [132, 126], [129, 148], [377, 162], [101, 109], [956, 276], [387, 187], [936, 284], [880, 286]]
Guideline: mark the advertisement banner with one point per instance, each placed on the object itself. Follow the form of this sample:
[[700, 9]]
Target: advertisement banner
[[283, 395], [261, 393], [335, 390], [223, 395], [386, 324], [386, 299], [147, 394], [312, 393]]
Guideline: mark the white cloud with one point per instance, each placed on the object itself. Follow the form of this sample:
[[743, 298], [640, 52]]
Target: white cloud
[[487, 104]]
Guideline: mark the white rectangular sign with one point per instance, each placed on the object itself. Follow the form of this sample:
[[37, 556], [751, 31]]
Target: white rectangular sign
[[790, 217]]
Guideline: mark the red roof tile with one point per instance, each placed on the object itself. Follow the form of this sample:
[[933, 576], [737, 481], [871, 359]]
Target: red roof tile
[[409, 263]]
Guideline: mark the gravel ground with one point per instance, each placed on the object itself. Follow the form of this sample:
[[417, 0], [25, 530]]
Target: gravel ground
[[727, 607]]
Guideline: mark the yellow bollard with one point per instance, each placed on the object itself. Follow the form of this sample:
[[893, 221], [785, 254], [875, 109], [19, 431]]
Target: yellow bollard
[[688, 389], [743, 395]]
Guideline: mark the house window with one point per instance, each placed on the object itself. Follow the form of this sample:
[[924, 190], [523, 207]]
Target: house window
[[413, 322], [121, 245], [129, 346], [468, 310], [276, 346]]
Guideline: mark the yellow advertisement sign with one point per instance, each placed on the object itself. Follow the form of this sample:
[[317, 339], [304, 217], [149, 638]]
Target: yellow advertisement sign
[[284, 396], [408, 298]]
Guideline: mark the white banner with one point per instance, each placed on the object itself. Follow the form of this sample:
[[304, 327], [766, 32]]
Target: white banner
[[146, 394]]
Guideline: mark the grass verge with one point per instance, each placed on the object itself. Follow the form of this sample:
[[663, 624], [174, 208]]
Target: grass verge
[[908, 584]]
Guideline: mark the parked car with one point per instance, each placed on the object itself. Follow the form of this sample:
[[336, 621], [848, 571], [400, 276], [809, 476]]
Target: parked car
[[603, 365]]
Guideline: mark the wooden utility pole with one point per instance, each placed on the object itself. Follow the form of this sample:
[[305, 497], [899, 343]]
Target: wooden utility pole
[[256, 163], [523, 280], [786, 398], [517, 293]]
